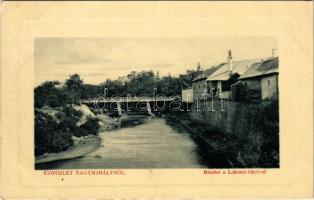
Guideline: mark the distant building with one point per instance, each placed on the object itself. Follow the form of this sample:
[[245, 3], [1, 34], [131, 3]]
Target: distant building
[[220, 81], [261, 79], [199, 84]]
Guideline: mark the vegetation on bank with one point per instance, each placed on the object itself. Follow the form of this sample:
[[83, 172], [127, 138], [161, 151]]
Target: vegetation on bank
[[144, 83], [56, 119], [255, 144], [251, 138]]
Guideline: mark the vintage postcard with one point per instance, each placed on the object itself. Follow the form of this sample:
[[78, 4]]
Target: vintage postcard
[[157, 100]]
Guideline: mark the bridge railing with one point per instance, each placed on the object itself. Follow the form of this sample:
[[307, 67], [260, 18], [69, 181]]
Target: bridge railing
[[127, 99]]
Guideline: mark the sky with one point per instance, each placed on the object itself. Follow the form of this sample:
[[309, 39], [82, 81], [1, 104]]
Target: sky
[[96, 59]]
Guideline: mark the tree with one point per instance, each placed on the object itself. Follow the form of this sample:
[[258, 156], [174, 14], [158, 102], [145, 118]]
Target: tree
[[49, 136], [73, 86], [233, 78], [48, 94], [115, 87], [74, 82], [54, 127], [169, 86], [138, 83], [90, 91], [187, 78]]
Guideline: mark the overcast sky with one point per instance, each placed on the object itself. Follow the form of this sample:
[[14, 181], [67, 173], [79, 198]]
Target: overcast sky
[[96, 59]]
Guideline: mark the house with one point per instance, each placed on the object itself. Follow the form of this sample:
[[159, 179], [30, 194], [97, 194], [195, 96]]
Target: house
[[221, 80], [199, 84], [261, 79]]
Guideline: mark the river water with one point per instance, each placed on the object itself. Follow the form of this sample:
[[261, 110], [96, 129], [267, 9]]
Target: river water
[[140, 142]]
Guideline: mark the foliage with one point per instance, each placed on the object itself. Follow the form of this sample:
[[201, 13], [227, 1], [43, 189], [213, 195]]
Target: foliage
[[187, 78], [72, 116], [146, 83], [51, 93], [143, 83], [74, 87], [55, 118], [169, 86], [91, 126], [115, 87], [248, 136], [53, 133], [233, 78], [48, 94], [74, 82], [50, 137], [90, 91], [269, 124]]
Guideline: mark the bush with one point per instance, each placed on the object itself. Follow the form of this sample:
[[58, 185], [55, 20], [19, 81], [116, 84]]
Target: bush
[[55, 121], [270, 128], [48, 94], [49, 136], [91, 126], [53, 133]]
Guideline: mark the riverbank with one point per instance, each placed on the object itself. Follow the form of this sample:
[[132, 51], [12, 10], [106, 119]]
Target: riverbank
[[84, 144], [212, 147], [81, 148], [242, 136], [141, 142]]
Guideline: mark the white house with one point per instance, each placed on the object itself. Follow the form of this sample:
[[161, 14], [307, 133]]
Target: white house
[[219, 81], [262, 78]]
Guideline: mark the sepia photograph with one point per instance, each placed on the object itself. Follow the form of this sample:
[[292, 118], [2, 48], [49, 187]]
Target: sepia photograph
[[157, 99], [146, 103]]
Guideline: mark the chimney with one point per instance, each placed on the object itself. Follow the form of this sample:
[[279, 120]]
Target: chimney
[[273, 51], [229, 59]]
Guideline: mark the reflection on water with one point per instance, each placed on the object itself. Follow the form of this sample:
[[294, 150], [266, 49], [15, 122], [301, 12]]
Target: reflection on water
[[140, 142]]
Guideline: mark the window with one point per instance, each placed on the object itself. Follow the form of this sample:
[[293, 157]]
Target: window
[[268, 81]]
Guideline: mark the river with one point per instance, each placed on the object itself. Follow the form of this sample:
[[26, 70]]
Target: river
[[140, 142]]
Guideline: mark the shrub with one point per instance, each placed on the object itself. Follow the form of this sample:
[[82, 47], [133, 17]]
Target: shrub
[[49, 136], [91, 126], [55, 134], [48, 94]]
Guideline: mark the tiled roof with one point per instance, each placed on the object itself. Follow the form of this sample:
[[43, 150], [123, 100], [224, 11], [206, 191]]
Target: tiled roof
[[239, 67], [268, 66]]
